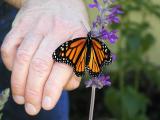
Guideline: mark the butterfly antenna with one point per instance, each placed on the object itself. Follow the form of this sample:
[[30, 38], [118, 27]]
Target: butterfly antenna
[[87, 29]]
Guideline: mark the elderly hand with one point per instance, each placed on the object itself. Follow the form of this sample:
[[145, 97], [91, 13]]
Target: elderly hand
[[38, 29]]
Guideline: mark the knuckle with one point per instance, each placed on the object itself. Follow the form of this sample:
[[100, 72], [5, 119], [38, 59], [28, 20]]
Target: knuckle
[[61, 66], [50, 87], [32, 93], [23, 56], [17, 88], [39, 65], [4, 51]]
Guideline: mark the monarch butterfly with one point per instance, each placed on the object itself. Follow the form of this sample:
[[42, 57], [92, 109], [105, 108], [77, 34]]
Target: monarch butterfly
[[84, 53]]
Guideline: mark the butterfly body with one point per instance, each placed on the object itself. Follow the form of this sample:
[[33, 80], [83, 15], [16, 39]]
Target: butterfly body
[[89, 45], [84, 53]]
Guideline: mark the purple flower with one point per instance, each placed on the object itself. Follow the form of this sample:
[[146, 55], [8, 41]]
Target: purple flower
[[92, 5], [112, 17], [107, 15], [99, 82], [111, 36], [95, 5], [116, 10]]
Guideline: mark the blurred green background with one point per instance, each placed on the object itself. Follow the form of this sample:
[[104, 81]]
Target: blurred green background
[[135, 90]]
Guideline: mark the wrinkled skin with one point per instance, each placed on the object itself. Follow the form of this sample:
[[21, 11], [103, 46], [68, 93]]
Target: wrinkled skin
[[38, 29]]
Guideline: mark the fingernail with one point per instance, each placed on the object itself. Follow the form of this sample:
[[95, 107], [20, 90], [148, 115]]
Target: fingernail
[[47, 102], [19, 99], [30, 109]]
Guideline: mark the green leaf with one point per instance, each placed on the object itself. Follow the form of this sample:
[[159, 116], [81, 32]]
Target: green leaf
[[134, 103], [147, 41], [129, 105]]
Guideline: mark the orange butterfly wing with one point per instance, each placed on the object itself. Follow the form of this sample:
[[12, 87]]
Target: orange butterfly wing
[[99, 55], [73, 53], [76, 52]]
